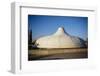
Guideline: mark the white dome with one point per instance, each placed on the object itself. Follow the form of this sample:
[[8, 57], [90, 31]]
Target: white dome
[[60, 39]]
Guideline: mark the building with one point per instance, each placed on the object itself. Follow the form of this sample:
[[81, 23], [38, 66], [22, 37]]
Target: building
[[60, 39]]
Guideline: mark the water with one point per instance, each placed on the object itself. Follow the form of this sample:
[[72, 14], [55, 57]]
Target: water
[[52, 54]]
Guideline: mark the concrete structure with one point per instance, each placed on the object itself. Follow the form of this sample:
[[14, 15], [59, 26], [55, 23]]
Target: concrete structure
[[60, 39]]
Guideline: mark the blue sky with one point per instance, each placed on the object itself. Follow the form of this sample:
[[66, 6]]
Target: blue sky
[[43, 25]]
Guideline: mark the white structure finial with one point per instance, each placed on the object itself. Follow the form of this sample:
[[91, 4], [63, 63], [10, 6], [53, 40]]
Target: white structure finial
[[60, 31]]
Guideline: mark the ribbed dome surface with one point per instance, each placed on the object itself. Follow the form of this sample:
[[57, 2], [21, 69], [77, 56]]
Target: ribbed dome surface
[[60, 39]]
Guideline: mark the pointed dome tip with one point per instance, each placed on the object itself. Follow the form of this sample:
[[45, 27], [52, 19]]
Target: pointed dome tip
[[61, 31], [61, 28]]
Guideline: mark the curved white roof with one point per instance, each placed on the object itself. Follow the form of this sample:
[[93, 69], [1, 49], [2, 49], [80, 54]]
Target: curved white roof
[[60, 39]]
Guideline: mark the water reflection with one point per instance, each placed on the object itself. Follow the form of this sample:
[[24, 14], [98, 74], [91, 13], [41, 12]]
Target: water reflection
[[52, 54]]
